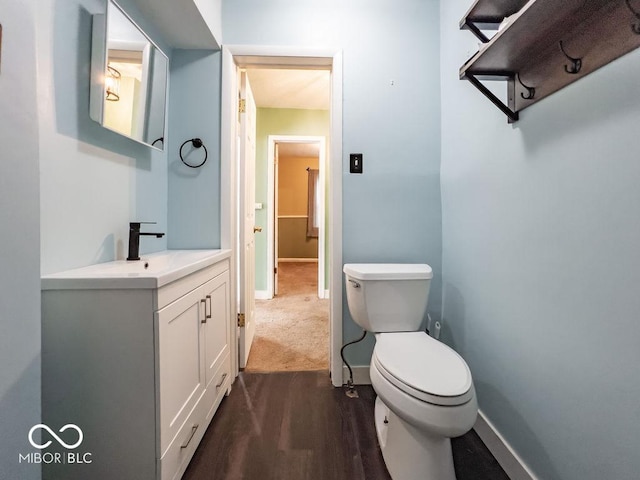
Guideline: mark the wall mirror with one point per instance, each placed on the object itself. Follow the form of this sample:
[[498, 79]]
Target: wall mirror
[[128, 78]]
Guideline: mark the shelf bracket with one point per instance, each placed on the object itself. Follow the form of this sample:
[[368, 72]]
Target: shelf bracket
[[507, 110], [476, 31]]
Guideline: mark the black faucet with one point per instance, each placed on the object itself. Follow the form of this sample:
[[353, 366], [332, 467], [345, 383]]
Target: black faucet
[[134, 239]]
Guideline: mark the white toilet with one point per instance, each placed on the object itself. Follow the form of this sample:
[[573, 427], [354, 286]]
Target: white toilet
[[425, 391]]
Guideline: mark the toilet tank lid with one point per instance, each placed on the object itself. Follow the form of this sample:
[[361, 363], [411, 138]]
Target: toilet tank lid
[[388, 271]]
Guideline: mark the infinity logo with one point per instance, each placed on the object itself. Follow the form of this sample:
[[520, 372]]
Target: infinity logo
[[60, 441]]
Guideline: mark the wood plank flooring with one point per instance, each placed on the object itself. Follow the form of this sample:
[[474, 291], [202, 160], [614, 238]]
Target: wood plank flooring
[[296, 426]]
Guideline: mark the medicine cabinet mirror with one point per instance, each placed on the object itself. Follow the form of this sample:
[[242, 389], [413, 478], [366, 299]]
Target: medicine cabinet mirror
[[128, 78]]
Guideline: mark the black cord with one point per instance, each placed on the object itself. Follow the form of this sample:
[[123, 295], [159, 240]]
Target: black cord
[[196, 143], [350, 382]]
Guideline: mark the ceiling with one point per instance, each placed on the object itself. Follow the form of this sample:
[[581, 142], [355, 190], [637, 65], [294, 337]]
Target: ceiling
[[284, 88]]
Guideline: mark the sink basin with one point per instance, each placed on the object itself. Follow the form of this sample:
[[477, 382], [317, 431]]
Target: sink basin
[[149, 265], [151, 271]]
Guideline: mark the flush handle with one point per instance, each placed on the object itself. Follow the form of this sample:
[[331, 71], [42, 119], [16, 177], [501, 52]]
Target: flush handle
[[354, 283]]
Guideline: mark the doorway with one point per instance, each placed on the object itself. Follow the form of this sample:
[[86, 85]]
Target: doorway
[[298, 206], [233, 58], [292, 321]]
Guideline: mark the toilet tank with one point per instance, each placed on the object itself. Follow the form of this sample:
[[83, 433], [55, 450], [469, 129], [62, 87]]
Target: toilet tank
[[388, 297]]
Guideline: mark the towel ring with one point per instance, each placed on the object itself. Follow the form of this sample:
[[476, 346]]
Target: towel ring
[[196, 143]]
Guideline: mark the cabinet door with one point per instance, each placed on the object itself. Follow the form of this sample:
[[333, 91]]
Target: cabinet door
[[181, 372], [216, 326]]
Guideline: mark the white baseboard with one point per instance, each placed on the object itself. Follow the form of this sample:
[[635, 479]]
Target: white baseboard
[[299, 260], [326, 294], [508, 459], [360, 375]]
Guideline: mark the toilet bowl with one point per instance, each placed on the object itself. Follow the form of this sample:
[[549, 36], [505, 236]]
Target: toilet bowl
[[425, 397], [425, 392]]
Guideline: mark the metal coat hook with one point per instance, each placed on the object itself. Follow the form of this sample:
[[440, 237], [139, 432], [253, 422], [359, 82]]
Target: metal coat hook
[[636, 26], [531, 92], [576, 63]]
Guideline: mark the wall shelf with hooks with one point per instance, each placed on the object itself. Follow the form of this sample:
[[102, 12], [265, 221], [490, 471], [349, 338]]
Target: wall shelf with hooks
[[547, 45]]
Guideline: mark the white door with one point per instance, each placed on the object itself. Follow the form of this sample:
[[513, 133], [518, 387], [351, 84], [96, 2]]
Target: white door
[[247, 228]]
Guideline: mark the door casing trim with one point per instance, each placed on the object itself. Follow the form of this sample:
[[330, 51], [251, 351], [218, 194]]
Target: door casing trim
[[234, 56]]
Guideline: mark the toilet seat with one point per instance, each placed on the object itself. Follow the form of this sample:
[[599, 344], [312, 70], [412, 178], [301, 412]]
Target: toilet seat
[[423, 368]]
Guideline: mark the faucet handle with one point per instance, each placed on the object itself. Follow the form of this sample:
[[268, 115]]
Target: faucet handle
[[137, 224]]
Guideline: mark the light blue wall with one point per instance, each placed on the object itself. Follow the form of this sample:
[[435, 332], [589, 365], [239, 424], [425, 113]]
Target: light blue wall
[[541, 266], [194, 112], [391, 213], [19, 242], [93, 181]]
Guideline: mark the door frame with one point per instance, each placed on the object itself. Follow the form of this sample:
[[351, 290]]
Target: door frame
[[272, 210], [233, 57]]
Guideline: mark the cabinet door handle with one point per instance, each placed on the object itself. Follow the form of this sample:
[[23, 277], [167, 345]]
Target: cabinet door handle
[[193, 432], [221, 381], [205, 307], [204, 320]]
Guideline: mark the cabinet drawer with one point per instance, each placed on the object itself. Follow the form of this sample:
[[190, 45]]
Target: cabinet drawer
[[175, 460], [219, 385]]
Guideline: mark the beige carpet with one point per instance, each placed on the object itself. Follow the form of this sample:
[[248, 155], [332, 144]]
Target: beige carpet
[[292, 329]]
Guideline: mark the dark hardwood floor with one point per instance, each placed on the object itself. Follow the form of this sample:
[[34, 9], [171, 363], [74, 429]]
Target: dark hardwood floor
[[295, 425]]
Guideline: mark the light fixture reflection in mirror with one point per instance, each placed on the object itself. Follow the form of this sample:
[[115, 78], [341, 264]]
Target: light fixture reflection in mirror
[[129, 75], [112, 84]]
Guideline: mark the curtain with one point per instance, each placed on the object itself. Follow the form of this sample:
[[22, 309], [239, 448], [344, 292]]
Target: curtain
[[312, 203]]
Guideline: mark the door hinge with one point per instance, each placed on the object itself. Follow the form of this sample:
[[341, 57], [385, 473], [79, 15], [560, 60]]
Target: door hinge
[[275, 270], [241, 321], [242, 106]]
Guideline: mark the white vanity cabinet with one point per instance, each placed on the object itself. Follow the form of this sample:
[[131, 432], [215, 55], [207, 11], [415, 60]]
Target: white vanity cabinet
[[194, 368], [139, 365]]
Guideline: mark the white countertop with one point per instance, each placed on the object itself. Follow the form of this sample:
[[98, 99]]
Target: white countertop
[[151, 271]]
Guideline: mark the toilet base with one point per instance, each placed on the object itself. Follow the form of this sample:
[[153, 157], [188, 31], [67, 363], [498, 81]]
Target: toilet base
[[411, 454]]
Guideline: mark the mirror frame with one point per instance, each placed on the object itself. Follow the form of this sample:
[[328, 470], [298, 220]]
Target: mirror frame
[[99, 61]]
